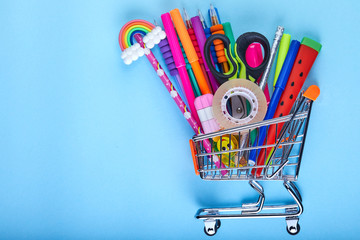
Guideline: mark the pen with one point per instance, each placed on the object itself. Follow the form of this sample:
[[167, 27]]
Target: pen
[[194, 41], [207, 35], [283, 49], [190, 72], [189, 50], [179, 62], [274, 48], [279, 88], [217, 28], [216, 12], [169, 61], [182, 107], [308, 51], [201, 39]]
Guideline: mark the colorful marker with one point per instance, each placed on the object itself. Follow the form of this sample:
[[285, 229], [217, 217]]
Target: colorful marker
[[283, 50], [308, 51], [279, 88], [201, 39], [189, 50], [179, 62]]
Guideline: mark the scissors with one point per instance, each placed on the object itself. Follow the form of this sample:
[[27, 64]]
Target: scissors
[[241, 45]]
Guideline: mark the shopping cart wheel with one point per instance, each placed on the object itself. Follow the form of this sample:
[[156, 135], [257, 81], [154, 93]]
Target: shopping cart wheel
[[211, 227], [293, 230]]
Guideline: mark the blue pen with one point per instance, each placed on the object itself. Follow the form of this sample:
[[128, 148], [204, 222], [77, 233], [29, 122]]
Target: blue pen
[[279, 88], [217, 13]]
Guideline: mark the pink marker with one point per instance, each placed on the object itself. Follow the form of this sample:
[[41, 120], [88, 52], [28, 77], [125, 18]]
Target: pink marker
[[179, 62], [254, 58], [179, 102]]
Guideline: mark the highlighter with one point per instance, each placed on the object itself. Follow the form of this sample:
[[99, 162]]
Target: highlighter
[[189, 50], [308, 51], [201, 38], [283, 49], [279, 88], [179, 63]]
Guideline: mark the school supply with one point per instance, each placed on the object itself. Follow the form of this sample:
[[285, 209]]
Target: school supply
[[283, 49], [203, 105], [297, 126], [217, 28], [241, 138], [254, 55], [240, 105], [279, 88], [207, 35], [196, 46], [254, 58], [229, 33], [242, 43], [189, 50], [169, 60], [274, 48], [201, 39], [234, 89], [132, 52], [216, 12], [194, 84], [226, 143], [305, 58], [179, 62], [174, 94], [312, 93]]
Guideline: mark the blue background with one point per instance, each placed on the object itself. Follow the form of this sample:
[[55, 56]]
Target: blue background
[[93, 149]]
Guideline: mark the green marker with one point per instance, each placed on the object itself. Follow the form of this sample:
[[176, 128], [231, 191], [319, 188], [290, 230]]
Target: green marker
[[194, 84], [229, 33], [190, 72]]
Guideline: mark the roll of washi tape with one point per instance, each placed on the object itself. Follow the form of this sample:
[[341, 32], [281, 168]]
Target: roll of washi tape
[[243, 88]]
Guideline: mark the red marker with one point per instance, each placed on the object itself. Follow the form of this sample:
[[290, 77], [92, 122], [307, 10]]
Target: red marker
[[305, 58]]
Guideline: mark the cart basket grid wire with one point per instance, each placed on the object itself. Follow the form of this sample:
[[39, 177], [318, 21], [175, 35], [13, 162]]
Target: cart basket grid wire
[[232, 148]]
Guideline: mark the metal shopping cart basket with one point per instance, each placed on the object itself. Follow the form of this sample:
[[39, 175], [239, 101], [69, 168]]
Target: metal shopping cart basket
[[283, 165]]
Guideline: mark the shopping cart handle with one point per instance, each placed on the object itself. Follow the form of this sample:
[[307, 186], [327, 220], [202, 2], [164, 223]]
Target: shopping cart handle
[[312, 92], [193, 154]]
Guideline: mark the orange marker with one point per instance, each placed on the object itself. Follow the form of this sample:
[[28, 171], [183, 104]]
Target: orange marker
[[189, 50], [194, 41]]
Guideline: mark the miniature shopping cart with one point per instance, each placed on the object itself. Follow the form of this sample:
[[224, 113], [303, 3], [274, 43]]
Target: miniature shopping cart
[[232, 148]]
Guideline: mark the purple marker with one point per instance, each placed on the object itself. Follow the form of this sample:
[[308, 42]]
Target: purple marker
[[201, 39]]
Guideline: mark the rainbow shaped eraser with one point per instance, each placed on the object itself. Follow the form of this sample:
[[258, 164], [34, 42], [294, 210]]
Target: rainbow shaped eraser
[[130, 29], [151, 36]]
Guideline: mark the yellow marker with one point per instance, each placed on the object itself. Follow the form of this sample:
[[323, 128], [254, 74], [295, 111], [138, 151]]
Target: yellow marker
[[283, 49]]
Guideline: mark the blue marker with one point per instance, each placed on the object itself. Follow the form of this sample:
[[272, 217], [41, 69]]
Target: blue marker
[[279, 88]]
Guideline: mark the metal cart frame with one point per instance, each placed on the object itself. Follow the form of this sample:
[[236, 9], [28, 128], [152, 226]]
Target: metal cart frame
[[283, 165]]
